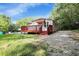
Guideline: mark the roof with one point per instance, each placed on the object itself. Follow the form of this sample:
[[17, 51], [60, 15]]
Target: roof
[[34, 23], [38, 21]]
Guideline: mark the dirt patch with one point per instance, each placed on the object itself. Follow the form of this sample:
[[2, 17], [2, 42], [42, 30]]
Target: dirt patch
[[43, 36], [75, 35]]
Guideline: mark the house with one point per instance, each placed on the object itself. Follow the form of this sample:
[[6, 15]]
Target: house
[[39, 26]]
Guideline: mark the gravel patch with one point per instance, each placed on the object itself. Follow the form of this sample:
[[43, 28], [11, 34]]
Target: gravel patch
[[62, 44]]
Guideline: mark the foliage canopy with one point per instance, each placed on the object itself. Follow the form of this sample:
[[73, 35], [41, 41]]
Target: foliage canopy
[[66, 15], [5, 22], [23, 22]]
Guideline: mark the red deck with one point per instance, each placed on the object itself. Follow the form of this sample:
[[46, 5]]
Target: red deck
[[39, 26]]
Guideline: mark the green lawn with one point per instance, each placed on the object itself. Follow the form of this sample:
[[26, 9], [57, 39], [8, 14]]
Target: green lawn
[[21, 45], [76, 30]]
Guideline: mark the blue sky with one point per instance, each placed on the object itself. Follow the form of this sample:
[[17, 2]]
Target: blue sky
[[21, 10]]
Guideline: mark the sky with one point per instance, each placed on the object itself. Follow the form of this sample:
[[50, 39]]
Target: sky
[[23, 10]]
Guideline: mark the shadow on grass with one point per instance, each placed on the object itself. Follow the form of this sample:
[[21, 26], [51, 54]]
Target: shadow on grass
[[24, 49]]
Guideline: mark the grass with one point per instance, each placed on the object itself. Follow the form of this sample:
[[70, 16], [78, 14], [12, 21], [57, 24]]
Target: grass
[[21, 45], [76, 30], [13, 37], [16, 36]]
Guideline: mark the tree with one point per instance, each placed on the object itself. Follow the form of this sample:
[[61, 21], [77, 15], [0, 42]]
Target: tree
[[5, 22], [23, 22], [66, 15], [13, 28]]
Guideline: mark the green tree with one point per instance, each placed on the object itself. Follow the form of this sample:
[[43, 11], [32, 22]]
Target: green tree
[[66, 15], [13, 28], [4, 23], [23, 22]]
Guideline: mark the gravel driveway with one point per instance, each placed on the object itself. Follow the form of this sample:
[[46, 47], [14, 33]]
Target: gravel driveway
[[62, 44]]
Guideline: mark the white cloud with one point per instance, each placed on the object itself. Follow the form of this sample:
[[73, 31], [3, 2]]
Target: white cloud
[[15, 11], [19, 9]]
